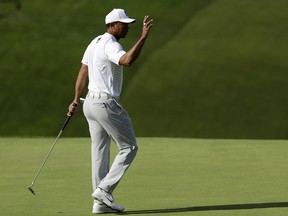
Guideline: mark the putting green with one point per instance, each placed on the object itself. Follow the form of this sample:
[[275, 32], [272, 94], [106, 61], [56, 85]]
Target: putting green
[[175, 176]]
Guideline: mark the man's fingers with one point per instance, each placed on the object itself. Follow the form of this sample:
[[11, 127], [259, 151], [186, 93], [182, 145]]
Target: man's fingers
[[145, 18], [146, 22], [73, 107], [149, 23]]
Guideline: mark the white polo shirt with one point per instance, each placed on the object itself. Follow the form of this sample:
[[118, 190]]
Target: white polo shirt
[[102, 57]]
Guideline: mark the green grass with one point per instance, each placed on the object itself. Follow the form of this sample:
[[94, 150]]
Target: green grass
[[222, 76], [176, 176], [43, 48], [210, 68]]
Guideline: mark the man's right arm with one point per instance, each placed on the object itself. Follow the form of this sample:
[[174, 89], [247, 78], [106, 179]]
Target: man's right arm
[[79, 87]]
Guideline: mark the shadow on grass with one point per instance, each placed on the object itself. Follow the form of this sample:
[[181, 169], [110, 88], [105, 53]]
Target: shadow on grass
[[213, 208]]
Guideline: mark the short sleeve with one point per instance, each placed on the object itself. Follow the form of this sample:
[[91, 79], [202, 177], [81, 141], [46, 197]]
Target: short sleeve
[[85, 56], [114, 52]]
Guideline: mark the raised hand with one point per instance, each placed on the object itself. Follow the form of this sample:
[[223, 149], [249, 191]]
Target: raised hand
[[147, 24]]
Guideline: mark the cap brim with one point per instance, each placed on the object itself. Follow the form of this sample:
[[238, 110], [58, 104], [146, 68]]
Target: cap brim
[[128, 20]]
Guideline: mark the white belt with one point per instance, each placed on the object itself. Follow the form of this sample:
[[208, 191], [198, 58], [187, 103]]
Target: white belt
[[99, 95]]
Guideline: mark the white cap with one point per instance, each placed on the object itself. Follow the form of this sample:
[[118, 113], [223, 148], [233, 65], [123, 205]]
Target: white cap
[[118, 15]]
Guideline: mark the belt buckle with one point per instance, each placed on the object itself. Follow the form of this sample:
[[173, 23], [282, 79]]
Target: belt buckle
[[104, 95]]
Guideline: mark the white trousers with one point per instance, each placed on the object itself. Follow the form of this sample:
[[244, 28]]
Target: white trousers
[[108, 120]]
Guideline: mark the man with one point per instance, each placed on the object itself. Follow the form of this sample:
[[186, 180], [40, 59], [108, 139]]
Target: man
[[103, 63]]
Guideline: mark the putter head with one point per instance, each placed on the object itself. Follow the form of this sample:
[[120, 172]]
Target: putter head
[[31, 190]]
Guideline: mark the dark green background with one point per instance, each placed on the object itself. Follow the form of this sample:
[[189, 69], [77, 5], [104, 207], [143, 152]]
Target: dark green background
[[210, 68]]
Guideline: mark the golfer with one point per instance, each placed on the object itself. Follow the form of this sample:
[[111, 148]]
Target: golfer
[[103, 63]]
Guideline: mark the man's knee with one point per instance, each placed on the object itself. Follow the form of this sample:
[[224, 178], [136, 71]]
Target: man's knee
[[130, 152], [134, 149]]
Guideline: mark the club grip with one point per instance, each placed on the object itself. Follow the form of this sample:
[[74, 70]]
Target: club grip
[[66, 122]]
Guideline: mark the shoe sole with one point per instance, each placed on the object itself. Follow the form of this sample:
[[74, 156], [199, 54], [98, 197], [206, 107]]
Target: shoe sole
[[102, 208], [106, 202], [108, 210]]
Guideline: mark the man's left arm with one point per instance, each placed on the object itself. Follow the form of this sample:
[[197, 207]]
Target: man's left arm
[[130, 57]]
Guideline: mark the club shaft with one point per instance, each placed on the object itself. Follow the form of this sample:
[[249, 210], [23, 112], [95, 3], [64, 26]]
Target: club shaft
[[51, 149], [46, 158]]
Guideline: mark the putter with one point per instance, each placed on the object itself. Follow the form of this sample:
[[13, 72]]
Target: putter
[[49, 152]]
